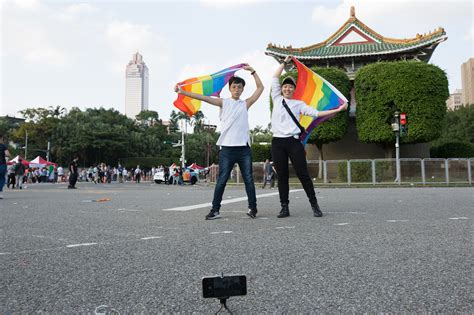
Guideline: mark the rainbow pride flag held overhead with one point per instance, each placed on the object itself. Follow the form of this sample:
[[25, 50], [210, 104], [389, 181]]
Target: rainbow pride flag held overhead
[[208, 85], [316, 92]]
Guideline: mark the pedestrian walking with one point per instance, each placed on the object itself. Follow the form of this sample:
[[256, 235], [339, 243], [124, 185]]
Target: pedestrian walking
[[73, 173], [4, 153]]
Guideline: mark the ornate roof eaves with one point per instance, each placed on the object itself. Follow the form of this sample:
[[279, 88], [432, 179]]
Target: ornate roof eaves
[[402, 49]]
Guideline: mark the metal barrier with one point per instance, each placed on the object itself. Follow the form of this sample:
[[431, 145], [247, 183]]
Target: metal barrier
[[429, 171]]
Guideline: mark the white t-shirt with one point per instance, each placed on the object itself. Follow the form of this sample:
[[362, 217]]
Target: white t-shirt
[[234, 123], [283, 125]]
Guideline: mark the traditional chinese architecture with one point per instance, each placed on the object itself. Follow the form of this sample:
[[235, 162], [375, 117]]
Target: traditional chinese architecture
[[353, 46]]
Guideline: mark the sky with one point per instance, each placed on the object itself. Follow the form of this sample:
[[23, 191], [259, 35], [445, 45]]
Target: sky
[[74, 53]]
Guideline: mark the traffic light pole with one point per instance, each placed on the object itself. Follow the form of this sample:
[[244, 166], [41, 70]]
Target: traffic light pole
[[396, 128], [397, 157]]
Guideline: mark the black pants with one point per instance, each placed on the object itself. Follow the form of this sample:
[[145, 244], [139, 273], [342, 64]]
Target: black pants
[[72, 179], [282, 149]]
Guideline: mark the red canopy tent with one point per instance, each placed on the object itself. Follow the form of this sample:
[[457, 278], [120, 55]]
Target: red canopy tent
[[196, 167], [40, 162], [15, 160]]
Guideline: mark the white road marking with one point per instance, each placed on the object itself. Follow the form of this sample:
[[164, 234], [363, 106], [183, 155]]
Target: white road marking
[[347, 212], [458, 218], [133, 210], [342, 223], [83, 244], [223, 232], [284, 227], [397, 221], [224, 202], [5, 253], [150, 237]]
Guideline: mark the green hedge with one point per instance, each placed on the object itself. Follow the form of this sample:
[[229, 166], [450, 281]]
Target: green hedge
[[416, 88], [453, 150], [261, 152]]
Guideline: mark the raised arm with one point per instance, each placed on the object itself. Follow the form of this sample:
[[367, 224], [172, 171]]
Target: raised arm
[[216, 101], [252, 99], [280, 68]]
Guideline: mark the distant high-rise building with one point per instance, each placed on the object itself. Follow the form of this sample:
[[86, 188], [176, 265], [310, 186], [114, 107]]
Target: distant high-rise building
[[136, 86], [467, 78], [454, 100]]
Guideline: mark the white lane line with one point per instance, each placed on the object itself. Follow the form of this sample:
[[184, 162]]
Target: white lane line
[[133, 210], [164, 228], [83, 244], [284, 227], [347, 212], [222, 232], [6, 253], [342, 223], [224, 202], [392, 221], [458, 218], [150, 237]]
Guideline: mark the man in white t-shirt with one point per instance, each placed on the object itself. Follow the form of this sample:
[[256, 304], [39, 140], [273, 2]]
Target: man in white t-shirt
[[234, 139]]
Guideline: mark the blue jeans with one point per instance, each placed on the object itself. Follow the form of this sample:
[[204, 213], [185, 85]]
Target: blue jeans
[[228, 156], [3, 172]]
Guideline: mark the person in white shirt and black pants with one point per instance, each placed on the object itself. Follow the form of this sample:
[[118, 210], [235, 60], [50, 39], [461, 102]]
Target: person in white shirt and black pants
[[286, 143], [234, 139]]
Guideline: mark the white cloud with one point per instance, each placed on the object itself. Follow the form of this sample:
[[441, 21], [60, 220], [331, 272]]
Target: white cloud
[[25, 4], [227, 4], [76, 11], [125, 38], [395, 18], [25, 35]]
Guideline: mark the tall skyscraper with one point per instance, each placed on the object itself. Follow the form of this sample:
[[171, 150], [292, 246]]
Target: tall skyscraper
[[467, 78], [136, 86]]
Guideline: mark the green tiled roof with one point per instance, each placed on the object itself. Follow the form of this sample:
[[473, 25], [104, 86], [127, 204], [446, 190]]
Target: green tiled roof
[[380, 45]]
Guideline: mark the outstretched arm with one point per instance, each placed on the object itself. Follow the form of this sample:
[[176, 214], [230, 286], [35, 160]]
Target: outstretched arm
[[216, 101], [332, 111], [252, 99]]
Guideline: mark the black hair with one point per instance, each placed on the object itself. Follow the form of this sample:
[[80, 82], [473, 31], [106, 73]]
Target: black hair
[[289, 80], [236, 80]]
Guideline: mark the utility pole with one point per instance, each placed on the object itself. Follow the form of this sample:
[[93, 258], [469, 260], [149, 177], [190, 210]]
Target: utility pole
[[183, 149], [26, 144], [47, 152], [396, 129]]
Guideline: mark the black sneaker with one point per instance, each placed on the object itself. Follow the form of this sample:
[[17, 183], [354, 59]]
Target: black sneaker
[[284, 212], [212, 215], [252, 213], [316, 210]]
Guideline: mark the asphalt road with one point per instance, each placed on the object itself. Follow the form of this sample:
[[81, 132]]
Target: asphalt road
[[375, 250]]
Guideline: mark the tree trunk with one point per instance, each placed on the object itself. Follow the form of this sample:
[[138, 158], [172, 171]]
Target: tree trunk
[[388, 149], [320, 151]]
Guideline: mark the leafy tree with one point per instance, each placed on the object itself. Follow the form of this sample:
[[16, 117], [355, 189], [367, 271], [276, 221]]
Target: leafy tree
[[418, 89], [457, 135], [148, 117], [40, 125], [258, 134]]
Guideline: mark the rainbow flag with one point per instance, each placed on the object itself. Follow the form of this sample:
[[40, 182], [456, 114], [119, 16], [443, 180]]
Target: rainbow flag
[[316, 92], [208, 85]]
